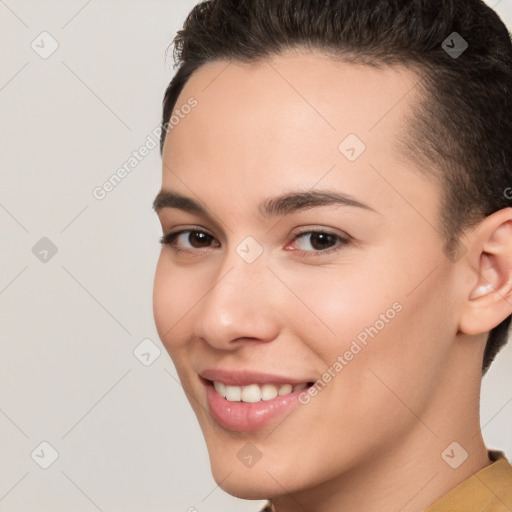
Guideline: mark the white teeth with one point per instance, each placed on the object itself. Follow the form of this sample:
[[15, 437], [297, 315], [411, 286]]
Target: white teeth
[[220, 388], [255, 393], [285, 389], [233, 393], [268, 392], [251, 393]]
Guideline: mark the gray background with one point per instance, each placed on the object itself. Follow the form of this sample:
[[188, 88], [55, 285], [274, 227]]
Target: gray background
[[126, 438]]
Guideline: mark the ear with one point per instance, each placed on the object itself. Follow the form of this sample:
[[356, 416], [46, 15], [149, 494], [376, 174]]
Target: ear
[[489, 256]]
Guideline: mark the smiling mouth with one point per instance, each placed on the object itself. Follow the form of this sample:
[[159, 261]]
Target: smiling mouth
[[253, 405], [253, 393]]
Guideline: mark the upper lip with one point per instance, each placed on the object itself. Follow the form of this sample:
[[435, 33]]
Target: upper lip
[[247, 377]]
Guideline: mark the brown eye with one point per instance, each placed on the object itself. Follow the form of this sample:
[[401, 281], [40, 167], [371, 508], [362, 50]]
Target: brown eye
[[198, 239], [319, 242], [188, 239]]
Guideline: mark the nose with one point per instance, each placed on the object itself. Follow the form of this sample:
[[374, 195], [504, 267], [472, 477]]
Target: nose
[[238, 306]]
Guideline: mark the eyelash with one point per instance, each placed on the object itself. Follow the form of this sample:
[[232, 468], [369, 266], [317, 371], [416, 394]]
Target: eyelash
[[169, 238]]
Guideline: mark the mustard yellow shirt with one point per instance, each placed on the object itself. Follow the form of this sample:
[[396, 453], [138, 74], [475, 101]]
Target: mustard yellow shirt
[[488, 490]]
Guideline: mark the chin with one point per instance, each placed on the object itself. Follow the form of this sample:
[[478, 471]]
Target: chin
[[249, 492], [246, 485], [267, 478]]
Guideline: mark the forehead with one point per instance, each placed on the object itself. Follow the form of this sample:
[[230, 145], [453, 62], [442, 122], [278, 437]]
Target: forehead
[[286, 121], [308, 86], [296, 97]]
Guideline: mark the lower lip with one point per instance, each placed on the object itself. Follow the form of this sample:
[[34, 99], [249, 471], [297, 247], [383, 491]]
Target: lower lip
[[245, 416]]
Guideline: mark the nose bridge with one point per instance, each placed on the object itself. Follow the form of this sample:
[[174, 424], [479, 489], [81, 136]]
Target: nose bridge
[[237, 303], [242, 271]]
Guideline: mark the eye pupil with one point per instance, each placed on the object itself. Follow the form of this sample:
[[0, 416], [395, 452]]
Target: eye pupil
[[325, 240], [199, 237]]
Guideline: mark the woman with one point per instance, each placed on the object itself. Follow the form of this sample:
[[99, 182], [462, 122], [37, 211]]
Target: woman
[[336, 260]]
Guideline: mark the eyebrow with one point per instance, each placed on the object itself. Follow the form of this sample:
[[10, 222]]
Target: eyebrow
[[272, 207]]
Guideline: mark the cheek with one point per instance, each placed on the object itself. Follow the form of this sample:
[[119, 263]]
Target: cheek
[[173, 300], [335, 305], [381, 315], [393, 352]]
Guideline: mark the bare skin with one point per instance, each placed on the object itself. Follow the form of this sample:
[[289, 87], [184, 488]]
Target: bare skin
[[372, 439]]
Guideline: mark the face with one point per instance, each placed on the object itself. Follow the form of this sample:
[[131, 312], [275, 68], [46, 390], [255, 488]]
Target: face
[[300, 256]]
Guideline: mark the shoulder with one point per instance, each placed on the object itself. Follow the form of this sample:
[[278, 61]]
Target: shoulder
[[488, 490]]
